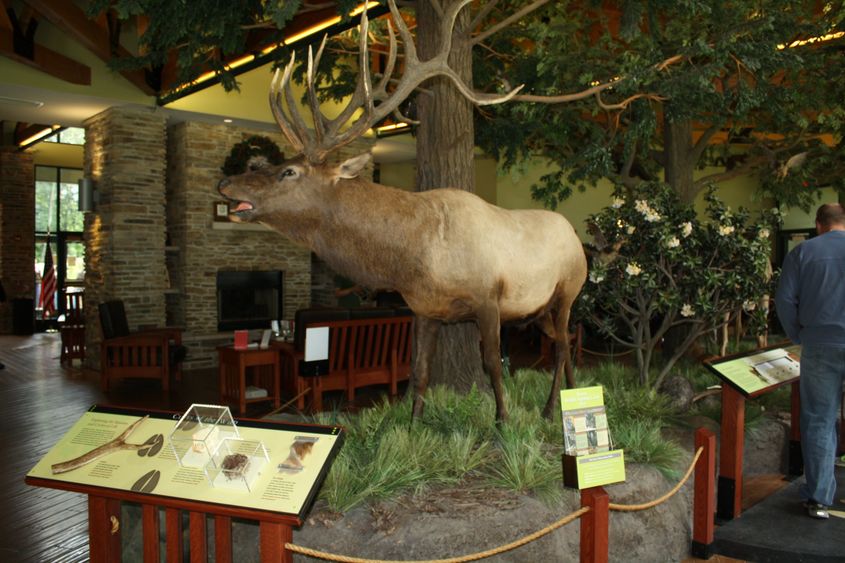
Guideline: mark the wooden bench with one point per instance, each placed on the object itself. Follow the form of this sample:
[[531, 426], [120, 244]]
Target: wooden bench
[[374, 350]]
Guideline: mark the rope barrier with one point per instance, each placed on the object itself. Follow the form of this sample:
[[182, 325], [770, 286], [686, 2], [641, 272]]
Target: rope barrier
[[655, 502], [471, 557], [507, 547]]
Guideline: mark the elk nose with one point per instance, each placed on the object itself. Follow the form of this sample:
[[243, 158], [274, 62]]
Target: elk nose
[[222, 184]]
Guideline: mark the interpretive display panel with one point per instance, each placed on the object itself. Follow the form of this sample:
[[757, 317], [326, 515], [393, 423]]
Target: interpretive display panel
[[756, 372], [122, 449]]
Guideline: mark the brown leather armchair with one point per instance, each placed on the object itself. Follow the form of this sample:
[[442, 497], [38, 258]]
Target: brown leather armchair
[[151, 353]]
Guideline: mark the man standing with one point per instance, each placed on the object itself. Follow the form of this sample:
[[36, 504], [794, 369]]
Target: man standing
[[810, 303]]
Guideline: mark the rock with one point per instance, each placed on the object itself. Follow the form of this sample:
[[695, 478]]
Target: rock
[[680, 392]]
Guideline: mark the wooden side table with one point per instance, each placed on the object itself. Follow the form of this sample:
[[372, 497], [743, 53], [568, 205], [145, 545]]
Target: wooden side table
[[292, 384], [233, 364]]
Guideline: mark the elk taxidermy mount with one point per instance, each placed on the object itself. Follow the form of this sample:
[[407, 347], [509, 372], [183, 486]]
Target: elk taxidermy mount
[[451, 255]]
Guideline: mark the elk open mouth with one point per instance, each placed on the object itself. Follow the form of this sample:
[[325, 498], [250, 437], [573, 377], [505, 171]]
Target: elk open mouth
[[241, 208]]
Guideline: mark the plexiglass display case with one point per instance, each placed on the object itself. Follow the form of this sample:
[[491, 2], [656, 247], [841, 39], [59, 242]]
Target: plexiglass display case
[[237, 464], [200, 432]]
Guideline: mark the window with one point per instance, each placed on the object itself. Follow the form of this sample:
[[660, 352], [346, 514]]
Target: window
[[56, 197], [68, 136], [58, 220]]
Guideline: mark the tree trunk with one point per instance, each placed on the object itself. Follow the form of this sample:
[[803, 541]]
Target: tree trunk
[[680, 164], [445, 144], [679, 173]]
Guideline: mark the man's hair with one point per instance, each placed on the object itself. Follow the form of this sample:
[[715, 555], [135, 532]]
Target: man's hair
[[830, 214]]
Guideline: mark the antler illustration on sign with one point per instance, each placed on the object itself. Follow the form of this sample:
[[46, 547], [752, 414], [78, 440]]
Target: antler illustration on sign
[[451, 255]]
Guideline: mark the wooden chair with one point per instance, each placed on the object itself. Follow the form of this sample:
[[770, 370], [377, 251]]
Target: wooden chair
[[73, 329], [150, 353]]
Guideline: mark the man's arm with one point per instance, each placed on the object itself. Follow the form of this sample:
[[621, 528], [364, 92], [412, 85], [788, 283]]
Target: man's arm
[[786, 297]]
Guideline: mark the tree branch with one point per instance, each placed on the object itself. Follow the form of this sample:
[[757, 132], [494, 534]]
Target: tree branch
[[482, 13], [507, 21], [703, 141]]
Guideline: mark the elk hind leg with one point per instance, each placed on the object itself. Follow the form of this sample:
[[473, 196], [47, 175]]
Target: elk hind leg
[[563, 356], [489, 323], [425, 339]]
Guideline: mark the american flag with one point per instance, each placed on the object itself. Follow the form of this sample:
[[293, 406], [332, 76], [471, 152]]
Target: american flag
[[48, 285]]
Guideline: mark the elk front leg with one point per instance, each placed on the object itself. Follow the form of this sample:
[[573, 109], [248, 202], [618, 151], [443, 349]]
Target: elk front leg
[[490, 326], [425, 339]]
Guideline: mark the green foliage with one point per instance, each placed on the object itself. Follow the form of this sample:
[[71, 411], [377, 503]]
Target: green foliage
[[254, 146], [671, 270], [731, 74], [385, 456]]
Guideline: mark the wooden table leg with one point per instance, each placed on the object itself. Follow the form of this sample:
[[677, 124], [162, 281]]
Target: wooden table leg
[[242, 383], [272, 540], [173, 535], [149, 530], [222, 539], [729, 503], [277, 383], [104, 529], [199, 539]]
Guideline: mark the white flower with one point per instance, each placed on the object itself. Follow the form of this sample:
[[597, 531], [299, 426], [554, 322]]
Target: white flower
[[686, 229], [596, 277], [650, 214], [673, 242], [633, 269], [764, 233], [725, 230], [617, 202], [630, 230], [687, 310], [749, 305]]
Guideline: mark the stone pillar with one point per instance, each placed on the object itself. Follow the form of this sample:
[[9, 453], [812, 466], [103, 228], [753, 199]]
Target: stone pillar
[[17, 230], [125, 155]]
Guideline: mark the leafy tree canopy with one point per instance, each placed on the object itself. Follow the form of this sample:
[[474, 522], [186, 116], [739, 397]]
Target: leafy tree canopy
[[735, 98]]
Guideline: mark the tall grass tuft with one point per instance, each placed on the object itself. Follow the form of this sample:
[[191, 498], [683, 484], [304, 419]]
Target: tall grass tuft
[[457, 438]]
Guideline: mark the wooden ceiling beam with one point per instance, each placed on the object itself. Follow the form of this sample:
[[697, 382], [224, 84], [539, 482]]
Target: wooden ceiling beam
[[73, 21], [19, 45], [5, 28]]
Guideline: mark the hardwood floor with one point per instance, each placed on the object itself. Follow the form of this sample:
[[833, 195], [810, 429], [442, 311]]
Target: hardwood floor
[[39, 401]]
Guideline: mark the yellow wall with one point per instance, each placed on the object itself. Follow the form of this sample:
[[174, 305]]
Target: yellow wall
[[105, 83], [56, 154], [799, 219]]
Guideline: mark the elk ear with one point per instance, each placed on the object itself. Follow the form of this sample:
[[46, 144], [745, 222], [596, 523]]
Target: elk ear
[[350, 168]]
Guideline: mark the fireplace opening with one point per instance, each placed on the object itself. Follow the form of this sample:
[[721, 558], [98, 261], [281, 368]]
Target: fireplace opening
[[248, 299]]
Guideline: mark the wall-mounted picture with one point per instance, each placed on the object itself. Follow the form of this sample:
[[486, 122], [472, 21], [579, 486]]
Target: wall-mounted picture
[[221, 211]]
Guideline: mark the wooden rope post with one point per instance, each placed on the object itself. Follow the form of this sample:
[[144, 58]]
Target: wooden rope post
[[729, 499], [704, 496], [594, 525]]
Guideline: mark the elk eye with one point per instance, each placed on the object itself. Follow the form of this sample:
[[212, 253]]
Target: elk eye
[[287, 173]]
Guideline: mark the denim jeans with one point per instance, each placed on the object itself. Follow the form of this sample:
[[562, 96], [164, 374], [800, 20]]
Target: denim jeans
[[822, 374]]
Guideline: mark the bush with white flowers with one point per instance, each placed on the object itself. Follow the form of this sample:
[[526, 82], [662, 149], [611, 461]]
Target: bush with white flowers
[[674, 269]]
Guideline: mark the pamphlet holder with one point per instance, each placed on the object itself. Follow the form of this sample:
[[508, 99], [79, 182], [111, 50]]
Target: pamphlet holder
[[593, 470], [588, 461]]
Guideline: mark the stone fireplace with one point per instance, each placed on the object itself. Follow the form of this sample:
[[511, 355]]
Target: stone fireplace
[[156, 241]]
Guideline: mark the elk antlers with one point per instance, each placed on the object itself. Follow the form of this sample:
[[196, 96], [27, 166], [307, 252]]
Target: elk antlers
[[326, 136]]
